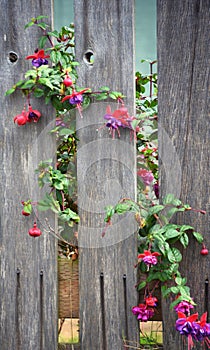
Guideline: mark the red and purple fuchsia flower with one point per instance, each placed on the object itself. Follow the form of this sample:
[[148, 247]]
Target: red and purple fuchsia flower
[[149, 258], [76, 98], [32, 115], [119, 118], [38, 58], [145, 311], [190, 326]]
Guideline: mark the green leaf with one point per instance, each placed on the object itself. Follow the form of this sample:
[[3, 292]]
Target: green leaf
[[155, 209], [122, 208], [168, 199], [42, 42], [38, 92], [165, 291], [31, 23], [174, 290], [178, 281], [185, 228], [46, 82], [141, 285], [10, 91], [171, 234], [28, 84], [43, 25], [65, 131], [102, 96], [54, 33], [174, 255], [105, 88], [41, 17], [184, 240], [198, 236], [110, 210]]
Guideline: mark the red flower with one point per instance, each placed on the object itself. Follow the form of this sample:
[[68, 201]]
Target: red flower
[[36, 55], [149, 258], [22, 118], [151, 301], [33, 115], [74, 94]]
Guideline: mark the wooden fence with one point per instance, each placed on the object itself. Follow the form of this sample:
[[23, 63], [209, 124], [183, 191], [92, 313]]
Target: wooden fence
[[28, 267]]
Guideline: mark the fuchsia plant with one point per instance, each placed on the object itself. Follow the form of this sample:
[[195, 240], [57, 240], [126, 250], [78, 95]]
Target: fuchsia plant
[[158, 257]]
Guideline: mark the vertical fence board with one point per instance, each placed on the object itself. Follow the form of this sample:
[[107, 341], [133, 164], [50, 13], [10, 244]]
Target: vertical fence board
[[183, 73], [28, 299], [106, 173]]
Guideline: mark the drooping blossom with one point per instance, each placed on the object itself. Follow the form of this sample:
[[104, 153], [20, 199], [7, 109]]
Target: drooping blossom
[[21, 119], [149, 258], [184, 306], [193, 328], [146, 176], [119, 118], [32, 115], [76, 98], [38, 58], [142, 312], [151, 301]]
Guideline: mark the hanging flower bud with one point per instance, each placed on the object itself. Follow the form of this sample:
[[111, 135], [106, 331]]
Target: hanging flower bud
[[22, 118], [34, 231], [68, 81]]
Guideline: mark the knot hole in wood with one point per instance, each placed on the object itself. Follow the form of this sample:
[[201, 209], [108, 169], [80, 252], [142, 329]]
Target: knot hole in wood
[[13, 57], [88, 57]]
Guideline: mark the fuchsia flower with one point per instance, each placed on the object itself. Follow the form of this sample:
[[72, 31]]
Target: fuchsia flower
[[21, 119], [119, 118], [151, 301], [76, 98], [184, 307], [142, 312], [149, 258], [193, 328], [32, 115], [38, 58], [146, 176]]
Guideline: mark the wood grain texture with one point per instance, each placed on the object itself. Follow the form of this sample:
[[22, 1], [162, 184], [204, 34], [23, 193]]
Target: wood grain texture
[[28, 296], [106, 173], [184, 134]]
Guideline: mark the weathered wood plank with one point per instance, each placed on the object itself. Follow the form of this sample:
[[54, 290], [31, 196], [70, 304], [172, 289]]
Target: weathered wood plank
[[106, 173], [28, 297], [184, 134]]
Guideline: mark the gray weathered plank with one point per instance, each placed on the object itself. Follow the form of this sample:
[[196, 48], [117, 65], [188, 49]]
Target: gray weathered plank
[[183, 71], [106, 173], [28, 302]]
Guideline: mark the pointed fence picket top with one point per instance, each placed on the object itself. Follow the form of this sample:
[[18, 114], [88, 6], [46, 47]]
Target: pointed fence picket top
[[104, 32], [184, 136], [28, 277]]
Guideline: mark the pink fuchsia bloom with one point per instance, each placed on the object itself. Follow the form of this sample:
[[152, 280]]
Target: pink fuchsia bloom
[[149, 258], [184, 307], [38, 58], [142, 312], [146, 176]]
